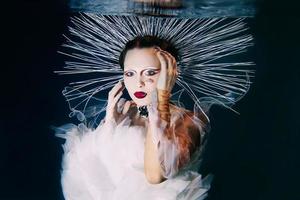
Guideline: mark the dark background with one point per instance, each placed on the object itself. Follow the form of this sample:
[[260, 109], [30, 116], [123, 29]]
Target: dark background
[[253, 156]]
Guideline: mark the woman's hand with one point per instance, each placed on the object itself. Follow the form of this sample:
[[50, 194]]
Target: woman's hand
[[168, 73], [116, 107]]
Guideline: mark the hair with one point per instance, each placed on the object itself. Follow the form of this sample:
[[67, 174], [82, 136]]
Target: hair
[[188, 135], [147, 42]]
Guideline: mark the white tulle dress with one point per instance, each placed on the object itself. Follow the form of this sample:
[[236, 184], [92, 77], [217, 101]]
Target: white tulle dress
[[107, 163]]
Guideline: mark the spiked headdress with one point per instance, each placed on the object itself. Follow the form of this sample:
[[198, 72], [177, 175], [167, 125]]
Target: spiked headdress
[[206, 48]]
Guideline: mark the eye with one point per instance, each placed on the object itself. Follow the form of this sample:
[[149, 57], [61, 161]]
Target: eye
[[129, 74], [150, 72]]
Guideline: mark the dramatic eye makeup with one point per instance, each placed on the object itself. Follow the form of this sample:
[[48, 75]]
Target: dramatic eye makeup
[[151, 72], [129, 73], [146, 72]]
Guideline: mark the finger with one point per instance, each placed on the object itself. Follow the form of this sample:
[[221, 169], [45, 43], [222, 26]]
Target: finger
[[117, 97], [120, 87], [163, 62], [116, 89], [170, 65], [174, 63], [133, 103], [132, 109], [126, 107], [157, 48], [120, 105], [169, 55], [169, 61]]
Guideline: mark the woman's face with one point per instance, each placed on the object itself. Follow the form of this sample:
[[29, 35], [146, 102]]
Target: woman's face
[[141, 72]]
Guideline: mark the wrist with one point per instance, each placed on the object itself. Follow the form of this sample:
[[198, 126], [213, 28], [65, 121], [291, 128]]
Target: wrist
[[163, 97]]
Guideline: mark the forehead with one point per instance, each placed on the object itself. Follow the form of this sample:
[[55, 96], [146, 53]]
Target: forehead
[[141, 58]]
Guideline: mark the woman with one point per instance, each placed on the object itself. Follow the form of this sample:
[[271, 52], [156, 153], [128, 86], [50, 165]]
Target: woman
[[144, 148]]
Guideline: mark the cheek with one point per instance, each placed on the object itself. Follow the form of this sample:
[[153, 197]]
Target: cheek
[[155, 79], [128, 84], [152, 82]]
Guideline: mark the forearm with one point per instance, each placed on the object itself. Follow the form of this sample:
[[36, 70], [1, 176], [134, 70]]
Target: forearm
[[153, 170], [161, 152]]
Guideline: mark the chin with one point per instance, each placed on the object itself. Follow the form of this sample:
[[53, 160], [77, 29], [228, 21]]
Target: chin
[[141, 102]]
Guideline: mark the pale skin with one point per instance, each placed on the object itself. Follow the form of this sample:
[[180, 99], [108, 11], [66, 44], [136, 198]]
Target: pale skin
[[146, 70]]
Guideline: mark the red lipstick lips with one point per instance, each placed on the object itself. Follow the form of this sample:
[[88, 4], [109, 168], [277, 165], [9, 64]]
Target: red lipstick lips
[[140, 95]]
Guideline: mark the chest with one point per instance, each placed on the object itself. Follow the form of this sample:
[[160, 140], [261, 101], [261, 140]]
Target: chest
[[128, 144]]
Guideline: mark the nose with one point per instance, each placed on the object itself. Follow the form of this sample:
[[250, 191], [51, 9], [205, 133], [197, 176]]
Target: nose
[[140, 82]]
